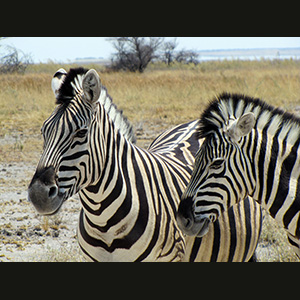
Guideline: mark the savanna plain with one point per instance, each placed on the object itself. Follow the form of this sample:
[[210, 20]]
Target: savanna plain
[[153, 101]]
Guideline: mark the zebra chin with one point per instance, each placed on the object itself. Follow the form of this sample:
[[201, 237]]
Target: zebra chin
[[44, 193]]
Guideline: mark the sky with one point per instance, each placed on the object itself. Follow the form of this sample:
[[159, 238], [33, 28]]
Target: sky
[[64, 49]]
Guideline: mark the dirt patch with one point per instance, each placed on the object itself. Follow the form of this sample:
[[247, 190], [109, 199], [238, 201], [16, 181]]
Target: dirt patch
[[27, 236]]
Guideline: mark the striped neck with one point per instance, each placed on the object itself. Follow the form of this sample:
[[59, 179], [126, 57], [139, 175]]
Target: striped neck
[[108, 200], [106, 153], [275, 156]]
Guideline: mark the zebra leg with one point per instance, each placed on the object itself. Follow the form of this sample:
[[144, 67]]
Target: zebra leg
[[295, 244]]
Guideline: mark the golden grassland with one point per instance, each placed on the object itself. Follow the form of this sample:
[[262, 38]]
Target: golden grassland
[[161, 98], [167, 96]]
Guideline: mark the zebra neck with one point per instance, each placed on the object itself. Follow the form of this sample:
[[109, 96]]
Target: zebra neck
[[109, 196], [276, 159]]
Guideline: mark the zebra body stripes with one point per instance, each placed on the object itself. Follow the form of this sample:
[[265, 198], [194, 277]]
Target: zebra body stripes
[[129, 195], [250, 148]]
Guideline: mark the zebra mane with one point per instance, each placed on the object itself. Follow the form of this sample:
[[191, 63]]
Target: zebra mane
[[116, 115], [72, 84], [227, 106]]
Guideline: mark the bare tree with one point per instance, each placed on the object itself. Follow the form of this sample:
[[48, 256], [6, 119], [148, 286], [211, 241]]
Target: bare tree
[[134, 53], [14, 61], [168, 51]]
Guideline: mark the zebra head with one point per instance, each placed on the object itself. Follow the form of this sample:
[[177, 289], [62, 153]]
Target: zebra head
[[220, 170], [65, 159]]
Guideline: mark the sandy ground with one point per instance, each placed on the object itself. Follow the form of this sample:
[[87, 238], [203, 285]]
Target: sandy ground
[[27, 236]]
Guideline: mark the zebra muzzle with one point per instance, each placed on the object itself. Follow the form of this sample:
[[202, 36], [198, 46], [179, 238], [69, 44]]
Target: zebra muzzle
[[186, 221], [202, 227], [44, 193]]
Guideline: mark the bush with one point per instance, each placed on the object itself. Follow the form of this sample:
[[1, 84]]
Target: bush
[[14, 61]]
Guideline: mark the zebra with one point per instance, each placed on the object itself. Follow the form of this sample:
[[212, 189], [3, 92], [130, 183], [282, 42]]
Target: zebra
[[250, 148], [129, 195]]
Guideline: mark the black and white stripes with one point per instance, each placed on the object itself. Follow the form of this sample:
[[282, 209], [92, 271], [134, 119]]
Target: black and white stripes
[[250, 148], [129, 195]]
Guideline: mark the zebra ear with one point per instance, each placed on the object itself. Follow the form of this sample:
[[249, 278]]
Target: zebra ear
[[57, 80], [91, 86], [242, 126]]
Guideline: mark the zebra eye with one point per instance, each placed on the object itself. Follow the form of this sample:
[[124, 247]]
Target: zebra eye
[[81, 133], [217, 164]]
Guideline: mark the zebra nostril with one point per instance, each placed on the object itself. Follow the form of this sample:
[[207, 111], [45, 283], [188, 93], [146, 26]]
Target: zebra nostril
[[188, 223], [53, 192]]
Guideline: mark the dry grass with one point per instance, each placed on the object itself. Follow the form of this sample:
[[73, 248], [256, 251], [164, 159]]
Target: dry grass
[[169, 96], [175, 96], [26, 100], [159, 98]]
